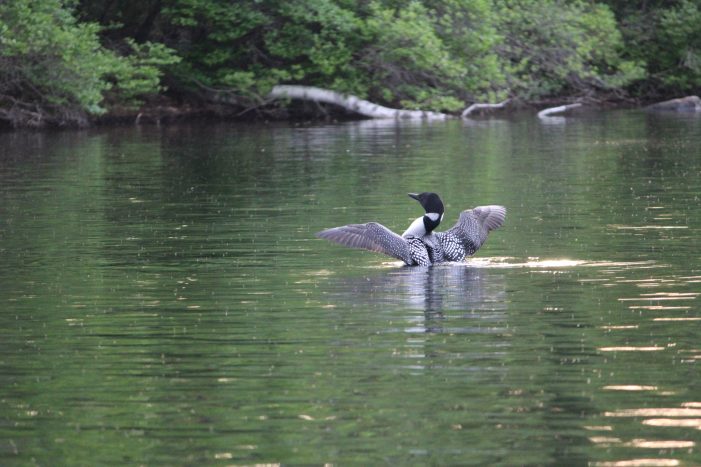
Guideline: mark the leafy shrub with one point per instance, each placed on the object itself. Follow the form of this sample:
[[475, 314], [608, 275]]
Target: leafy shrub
[[679, 61], [553, 47], [54, 70]]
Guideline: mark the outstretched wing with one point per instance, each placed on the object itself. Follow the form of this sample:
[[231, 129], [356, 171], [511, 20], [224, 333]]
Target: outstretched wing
[[476, 223], [371, 236], [491, 217]]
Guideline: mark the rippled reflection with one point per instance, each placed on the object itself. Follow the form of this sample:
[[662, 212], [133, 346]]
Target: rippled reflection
[[677, 319], [656, 412], [630, 348], [642, 462], [675, 422], [630, 387], [660, 296], [434, 290], [661, 444]]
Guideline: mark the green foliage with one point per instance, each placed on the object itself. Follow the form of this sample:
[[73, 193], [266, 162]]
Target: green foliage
[[431, 55], [48, 59], [250, 46], [404, 51], [138, 74], [554, 47], [666, 37], [469, 30], [680, 32], [54, 69], [428, 54]]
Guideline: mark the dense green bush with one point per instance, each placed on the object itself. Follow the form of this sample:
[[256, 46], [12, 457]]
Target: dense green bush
[[666, 36], [680, 31], [243, 48], [554, 47], [430, 56], [416, 55], [54, 70]]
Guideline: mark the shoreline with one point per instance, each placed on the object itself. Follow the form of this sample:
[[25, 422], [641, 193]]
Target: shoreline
[[169, 111], [164, 110]]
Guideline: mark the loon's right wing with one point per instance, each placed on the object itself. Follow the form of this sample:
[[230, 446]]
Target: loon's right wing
[[475, 224], [371, 236]]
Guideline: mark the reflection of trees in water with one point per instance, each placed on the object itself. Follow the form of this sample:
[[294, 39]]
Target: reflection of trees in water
[[437, 290]]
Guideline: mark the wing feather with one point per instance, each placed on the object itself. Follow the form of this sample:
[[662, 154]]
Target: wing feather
[[371, 236], [492, 217], [475, 224]]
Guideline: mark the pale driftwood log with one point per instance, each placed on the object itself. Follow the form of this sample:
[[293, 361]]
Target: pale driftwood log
[[349, 102], [557, 110], [476, 107]]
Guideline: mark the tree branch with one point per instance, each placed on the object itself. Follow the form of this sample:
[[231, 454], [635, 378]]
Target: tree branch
[[557, 110], [476, 107]]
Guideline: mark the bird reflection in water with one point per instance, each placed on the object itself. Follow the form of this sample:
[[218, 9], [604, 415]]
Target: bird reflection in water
[[451, 288]]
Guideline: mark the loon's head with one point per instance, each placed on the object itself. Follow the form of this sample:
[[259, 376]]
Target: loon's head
[[433, 206]]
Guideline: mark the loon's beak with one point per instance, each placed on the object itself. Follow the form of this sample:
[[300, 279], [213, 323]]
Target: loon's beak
[[414, 195]]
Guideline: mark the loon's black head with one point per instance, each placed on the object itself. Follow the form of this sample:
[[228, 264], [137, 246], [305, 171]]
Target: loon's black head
[[431, 202], [433, 205]]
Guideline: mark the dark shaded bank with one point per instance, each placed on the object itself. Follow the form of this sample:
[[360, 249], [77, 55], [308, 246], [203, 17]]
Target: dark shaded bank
[[165, 110]]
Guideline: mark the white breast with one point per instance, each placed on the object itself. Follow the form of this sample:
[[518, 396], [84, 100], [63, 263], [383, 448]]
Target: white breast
[[416, 229]]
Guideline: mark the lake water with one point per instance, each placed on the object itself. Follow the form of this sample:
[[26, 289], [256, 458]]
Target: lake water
[[163, 299]]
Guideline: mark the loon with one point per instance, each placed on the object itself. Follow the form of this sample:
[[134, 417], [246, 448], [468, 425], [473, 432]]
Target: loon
[[419, 245]]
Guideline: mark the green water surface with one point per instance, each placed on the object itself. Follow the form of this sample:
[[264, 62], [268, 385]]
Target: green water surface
[[163, 300]]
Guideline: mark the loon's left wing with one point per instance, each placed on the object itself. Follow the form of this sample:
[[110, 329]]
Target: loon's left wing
[[371, 236]]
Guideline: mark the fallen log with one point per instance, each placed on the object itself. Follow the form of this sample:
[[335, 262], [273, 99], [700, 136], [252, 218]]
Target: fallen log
[[476, 107], [557, 110], [349, 102]]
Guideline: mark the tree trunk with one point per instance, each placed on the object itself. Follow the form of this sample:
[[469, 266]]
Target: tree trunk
[[349, 102], [476, 107], [557, 110]]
